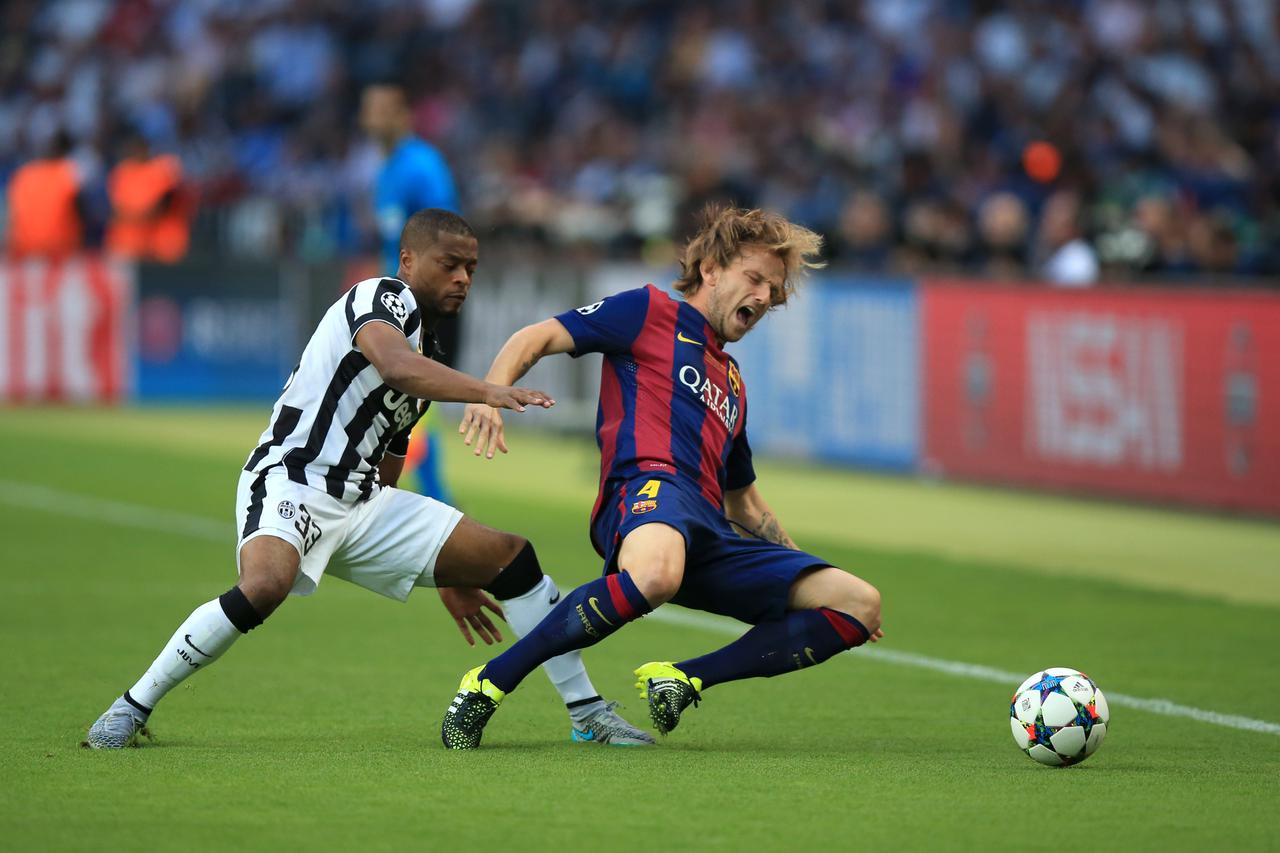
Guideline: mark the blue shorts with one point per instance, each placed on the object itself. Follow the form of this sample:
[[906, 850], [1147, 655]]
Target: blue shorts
[[725, 573]]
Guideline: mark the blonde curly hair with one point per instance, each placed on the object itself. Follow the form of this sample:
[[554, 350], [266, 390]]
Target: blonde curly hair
[[726, 230]]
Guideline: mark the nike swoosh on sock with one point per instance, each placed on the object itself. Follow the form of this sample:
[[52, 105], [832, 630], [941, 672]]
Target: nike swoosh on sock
[[194, 646]]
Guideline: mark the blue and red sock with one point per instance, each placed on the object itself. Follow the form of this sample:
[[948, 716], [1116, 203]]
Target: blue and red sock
[[801, 638], [583, 618]]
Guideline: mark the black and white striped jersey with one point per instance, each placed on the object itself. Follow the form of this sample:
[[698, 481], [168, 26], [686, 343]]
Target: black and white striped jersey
[[336, 417]]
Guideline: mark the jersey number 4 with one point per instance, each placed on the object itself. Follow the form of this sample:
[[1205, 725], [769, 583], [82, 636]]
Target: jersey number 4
[[650, 489], [307, 528]]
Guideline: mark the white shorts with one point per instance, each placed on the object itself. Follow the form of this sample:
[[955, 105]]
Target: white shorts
[[388, 544]]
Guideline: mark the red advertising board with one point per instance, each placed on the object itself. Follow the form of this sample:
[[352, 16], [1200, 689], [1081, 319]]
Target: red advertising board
[[1154, 393], [63, 330]]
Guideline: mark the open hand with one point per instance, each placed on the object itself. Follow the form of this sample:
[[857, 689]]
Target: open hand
[[482, 425], [467, 605]]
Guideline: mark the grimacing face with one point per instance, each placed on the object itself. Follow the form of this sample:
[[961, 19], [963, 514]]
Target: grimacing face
[[741, 293], [440, 275]]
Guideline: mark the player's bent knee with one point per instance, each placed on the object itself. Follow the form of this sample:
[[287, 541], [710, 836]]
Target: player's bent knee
[[657, 581], [864, 605], [268, 569], [836, 589], [520, 575], [266, 591], [475, 555], [860, 600], [495, 546], [516, 546], [654, 557]]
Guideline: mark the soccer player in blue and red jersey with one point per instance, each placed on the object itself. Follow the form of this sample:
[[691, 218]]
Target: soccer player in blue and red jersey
[[677, 484]]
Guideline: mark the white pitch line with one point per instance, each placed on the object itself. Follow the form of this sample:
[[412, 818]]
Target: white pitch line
[[57, 501], [978, 672], [33, 496]]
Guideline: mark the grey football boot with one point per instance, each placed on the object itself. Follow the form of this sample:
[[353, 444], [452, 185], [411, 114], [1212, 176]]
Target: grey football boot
[[607, 727], [118, 727]]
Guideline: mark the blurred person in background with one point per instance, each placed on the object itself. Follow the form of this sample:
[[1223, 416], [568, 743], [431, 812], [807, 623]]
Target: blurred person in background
[[413, 176], [47, 206], [1065, 258], [151, 208], [866, 235], [1161, 229], [954, 235], [1002, 228], [921, 235], [1213, 243]]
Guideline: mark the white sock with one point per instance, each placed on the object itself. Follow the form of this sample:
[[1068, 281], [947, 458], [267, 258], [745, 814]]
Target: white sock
[[198, 642], [566, 671]]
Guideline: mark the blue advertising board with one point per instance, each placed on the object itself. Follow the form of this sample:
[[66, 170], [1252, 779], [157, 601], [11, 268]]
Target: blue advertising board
[[835, 375], [207, 333]]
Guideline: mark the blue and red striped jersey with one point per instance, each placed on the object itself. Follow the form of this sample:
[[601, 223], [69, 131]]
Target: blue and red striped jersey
[[671, 399]]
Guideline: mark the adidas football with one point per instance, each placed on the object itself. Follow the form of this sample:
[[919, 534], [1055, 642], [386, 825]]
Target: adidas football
[[1059, 717]]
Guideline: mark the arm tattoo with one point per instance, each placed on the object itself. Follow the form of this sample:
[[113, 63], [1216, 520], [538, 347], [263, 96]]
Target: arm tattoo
[[771, 530]]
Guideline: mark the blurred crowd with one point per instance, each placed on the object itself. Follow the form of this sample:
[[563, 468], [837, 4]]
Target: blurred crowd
[[1062, 139]]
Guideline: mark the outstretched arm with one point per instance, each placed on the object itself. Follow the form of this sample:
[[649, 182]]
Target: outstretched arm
[[412, 373], [747, 509], [523, 350], [482, 424]]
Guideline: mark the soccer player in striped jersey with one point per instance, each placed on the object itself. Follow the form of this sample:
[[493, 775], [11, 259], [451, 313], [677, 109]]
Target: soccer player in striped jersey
[[676, 479], [317, 495]]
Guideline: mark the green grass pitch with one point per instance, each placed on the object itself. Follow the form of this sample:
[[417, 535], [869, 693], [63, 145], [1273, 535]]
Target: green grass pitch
[[320, 730]]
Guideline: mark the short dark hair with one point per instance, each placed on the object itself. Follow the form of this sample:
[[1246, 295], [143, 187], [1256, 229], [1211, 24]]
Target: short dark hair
[[426, 226]]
